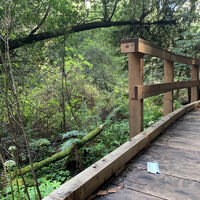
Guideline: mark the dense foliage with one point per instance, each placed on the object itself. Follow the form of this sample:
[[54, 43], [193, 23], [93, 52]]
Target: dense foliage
[[62, 75]]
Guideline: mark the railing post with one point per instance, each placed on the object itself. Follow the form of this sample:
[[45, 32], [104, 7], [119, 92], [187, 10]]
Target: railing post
[[168, 77], [195, 76], [135, 77]]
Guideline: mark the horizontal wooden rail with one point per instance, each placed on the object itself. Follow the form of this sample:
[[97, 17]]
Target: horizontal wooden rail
[[139, 45], [136, 49], [144, 91], [85, 183]]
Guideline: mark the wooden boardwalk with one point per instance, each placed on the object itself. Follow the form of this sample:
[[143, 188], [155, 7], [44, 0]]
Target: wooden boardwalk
[[177, 150], [178, 153]]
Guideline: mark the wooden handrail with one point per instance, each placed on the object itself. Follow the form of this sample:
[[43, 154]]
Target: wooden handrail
[[144, 91], [82, 185], [136, 49], [139, 45]]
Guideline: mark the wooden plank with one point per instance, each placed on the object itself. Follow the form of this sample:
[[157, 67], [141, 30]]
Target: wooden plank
[[168, 77], [144, 47], [127, 194], [183, 59], [182, 143], [144, 91], [162, 185], [165, 54], [135, 74], [172, 161], [186, 127], [194, 116], [82, 185], [195, 76], [149, 49]]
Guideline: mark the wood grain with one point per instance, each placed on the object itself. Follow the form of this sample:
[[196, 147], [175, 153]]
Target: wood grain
[[144, 91], [195, 76], [145, 47], [135, 77], [168, 77]]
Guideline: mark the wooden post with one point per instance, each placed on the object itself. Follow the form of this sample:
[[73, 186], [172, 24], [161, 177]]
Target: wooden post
[[195, 76], [168, 77], [135, 77]]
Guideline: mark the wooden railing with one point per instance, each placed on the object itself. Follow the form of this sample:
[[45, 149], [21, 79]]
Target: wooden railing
[[136, 49], [86, 182]]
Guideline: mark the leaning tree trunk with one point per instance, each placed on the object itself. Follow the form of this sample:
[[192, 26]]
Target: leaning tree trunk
[[69, 150], [63, 154]]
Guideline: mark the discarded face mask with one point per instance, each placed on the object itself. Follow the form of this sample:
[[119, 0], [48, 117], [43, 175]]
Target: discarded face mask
[[153, 167]]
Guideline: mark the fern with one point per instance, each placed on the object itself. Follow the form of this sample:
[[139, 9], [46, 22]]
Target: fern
[[40, 142], [68, 143], [73, 134]]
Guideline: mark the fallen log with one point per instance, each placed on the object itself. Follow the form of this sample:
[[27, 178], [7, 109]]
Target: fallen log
[[69, 150], [62, 154]]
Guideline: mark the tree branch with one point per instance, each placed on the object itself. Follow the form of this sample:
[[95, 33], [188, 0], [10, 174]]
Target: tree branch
[[19, 42], [113, 12], [41, 23]]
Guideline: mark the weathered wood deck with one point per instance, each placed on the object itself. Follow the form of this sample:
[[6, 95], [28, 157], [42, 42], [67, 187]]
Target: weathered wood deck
[[178, 153]]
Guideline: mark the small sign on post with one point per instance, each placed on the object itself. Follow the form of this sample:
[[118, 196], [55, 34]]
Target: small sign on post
[[128, 47]]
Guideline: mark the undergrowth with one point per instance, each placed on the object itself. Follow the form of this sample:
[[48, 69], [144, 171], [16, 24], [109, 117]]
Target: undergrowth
[[115, 133]]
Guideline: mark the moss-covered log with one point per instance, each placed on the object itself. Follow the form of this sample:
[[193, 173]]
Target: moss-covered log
[[69, 150], [60, 155]]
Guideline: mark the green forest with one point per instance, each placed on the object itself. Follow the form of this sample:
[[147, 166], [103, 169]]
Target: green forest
[[64, 82]]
